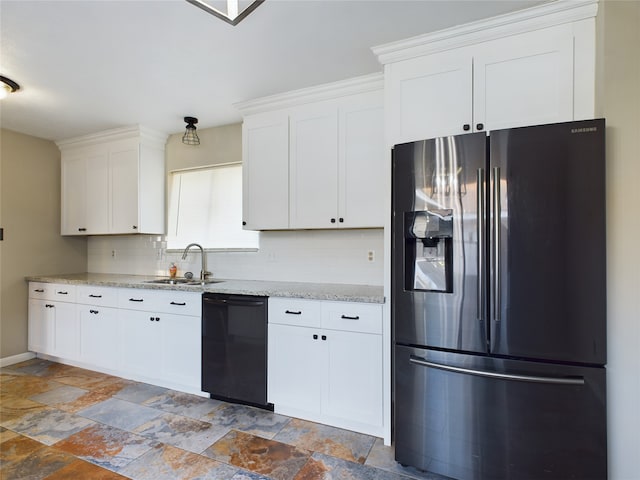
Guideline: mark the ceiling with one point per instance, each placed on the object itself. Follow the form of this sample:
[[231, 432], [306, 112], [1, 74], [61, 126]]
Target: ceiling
[[90, 65]]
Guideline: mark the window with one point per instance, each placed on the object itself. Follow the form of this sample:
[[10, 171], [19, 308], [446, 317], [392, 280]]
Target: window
[[205, 207]]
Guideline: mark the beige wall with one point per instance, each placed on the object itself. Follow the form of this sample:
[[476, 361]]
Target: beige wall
[[619, 103], [30, 216], [217, 145]]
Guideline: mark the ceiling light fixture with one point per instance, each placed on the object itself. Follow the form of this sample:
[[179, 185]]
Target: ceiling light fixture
[[7, 86], [190, 136], [234, 15]]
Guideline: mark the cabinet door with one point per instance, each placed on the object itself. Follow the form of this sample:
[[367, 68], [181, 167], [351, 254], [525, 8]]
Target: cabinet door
[[97, 191], [429, 96], [181, 347], [40, 326], [353, 377], [362, 189], [66, 331], [100, 336], [73, 214], [123, 165], [265, 170], [295, 367], [524, 79], [314, 166], [141, 337]]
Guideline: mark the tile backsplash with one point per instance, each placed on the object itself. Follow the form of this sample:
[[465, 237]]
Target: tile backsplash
[[320, 256]]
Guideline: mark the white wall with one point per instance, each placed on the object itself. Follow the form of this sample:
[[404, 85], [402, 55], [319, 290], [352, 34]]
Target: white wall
[[320, 256], [619, 97]]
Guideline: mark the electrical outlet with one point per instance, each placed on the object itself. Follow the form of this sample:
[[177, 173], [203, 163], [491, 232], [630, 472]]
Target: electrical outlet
[[371, 255]]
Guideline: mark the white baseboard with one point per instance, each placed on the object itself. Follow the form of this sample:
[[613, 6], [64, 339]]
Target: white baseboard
[[22, 357]]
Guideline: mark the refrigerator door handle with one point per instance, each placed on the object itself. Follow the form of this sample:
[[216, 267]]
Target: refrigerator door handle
[[502, 376], [497, 281], [481, 206]]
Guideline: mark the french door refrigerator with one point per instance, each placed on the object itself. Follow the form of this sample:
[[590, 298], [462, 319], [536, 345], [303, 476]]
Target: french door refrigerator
[[498, 303]]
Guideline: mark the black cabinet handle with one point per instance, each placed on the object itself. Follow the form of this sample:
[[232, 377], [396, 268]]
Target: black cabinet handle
[[82, 229], [135, 227], [48, 305], [62, 293], [151, 319], [347, 317], [157, 319], [91, 295], [93, 311], [136, 299], [324, 337], [466, 127], [299, 312], [333, 220], [178, 303], [341, 220], [480, 126], [39, 290], [315, 337], [244, 223]]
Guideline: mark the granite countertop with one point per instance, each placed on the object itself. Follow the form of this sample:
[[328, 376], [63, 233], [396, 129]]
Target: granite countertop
[[317, 291]]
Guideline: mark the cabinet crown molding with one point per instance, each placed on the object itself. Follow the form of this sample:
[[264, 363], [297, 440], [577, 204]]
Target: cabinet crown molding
[[534, 18], [144, 134], [327, 91]]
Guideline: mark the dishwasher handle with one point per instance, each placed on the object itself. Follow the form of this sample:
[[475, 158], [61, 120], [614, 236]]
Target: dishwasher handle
[[233, 302]]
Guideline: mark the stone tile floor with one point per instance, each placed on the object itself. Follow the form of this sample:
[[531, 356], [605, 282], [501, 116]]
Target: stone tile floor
[[61, 422]]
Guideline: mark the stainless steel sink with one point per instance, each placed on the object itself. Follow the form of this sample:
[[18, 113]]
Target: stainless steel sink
[[181, 281]]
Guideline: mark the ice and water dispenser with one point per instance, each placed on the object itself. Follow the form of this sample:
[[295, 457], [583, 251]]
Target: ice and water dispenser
[[429, 250]]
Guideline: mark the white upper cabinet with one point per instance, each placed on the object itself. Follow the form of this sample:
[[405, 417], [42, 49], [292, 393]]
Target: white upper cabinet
[[530, 67], [361, 161], [524, 80], [265, 170], [313, 166], [314, 158], [430, 96], [113, 183]]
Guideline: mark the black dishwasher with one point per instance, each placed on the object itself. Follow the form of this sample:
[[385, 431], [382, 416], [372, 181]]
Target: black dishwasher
[[234, 348]]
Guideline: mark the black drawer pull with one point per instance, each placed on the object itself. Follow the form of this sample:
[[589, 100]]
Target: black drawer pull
[[178, 303], [48, 305], [94, 296], [62, 293], [39, 290], [347, 317], [299, 312], [136, 299], [315, 337], [93, 311], [82, 229], [324, 337], [157, 319]]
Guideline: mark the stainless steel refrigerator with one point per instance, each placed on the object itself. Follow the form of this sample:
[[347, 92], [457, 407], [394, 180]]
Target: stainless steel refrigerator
[[499, 303]]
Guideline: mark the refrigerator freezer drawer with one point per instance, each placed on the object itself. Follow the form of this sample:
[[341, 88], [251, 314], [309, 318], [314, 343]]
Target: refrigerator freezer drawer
[[475, 417]]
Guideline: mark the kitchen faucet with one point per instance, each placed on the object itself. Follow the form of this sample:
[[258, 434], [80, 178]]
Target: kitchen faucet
[[203, 271]]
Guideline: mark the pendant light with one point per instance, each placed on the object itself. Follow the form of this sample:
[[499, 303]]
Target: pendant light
[[190, 136]]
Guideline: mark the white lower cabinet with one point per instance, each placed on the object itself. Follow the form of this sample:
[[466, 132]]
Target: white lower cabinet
[[53, 324], [330, 369], [146, 335], [100, 335]]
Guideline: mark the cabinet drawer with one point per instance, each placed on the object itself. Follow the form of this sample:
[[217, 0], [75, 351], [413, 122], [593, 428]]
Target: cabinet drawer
[[352, 317], [93, 295], [40, 290], [136, 299], [179, 303], [62, 292], [300, 313]]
